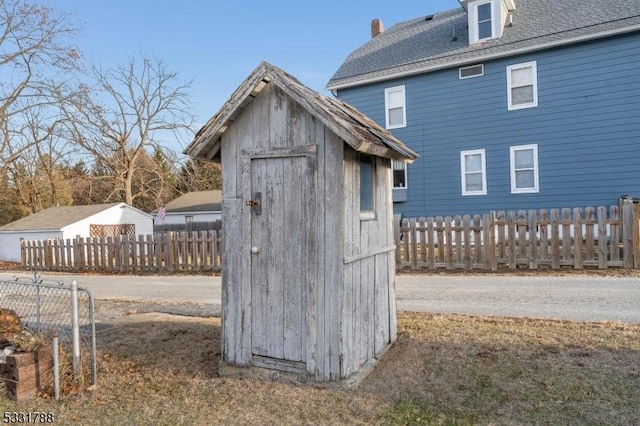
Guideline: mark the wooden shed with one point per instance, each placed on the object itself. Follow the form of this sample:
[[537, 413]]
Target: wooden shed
[[309, 270]]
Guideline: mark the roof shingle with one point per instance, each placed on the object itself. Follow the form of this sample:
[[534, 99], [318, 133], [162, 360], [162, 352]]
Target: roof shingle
[[55, 218], [423, 45], [196, 201]]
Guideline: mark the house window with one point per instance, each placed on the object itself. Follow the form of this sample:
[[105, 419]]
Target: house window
[[188, 219], [484, 21], [395, 108], [524, 169], [367, 186], [399, 174], [473, 171], [481, 21], [522, 86], [472, 71]]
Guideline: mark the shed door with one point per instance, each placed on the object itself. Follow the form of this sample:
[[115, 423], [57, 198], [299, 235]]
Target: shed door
[[280, 241]]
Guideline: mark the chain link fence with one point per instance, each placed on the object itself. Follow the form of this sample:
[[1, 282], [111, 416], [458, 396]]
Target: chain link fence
[[51, 308]]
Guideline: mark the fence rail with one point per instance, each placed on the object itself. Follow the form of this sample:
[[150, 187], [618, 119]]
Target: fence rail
[[168, 251], [590, 238], [560, 238], [215, 225]]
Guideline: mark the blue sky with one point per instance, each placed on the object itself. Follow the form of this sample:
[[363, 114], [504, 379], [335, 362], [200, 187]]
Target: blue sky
[[218, 43]]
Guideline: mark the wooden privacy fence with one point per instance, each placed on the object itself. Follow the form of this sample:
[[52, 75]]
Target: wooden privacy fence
[[593, 238], [169, 251], [215, 225]]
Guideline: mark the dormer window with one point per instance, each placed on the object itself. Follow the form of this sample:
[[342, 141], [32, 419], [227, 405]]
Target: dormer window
[[484, 21], [487, 18], [481, 21]]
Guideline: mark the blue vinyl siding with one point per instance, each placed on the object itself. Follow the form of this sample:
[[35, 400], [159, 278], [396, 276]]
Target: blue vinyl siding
[[586, 125]]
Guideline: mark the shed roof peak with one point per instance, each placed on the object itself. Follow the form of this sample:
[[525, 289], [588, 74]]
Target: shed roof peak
[[356, 129]]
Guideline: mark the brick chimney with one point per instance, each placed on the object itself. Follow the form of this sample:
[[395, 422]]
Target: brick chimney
[[377, 27]]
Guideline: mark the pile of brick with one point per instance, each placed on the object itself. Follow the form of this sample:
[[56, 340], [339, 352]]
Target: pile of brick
[[26, 373], [22, 374]]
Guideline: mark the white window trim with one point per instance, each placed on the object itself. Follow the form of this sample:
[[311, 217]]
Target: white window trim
[[474, 36], [406, 177], [534, 76], [536, 182], [386, 107], [471, 76], [463, 180]]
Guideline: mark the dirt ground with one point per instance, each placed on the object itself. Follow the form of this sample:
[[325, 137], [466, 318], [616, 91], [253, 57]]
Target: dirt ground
[[10, 266], [444, 369]]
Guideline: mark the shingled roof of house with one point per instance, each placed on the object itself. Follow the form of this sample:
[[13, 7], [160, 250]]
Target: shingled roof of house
[[196, 201], [55, 218], [442, 40]]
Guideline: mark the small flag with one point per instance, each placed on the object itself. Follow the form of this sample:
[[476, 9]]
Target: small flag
[[162, 213]]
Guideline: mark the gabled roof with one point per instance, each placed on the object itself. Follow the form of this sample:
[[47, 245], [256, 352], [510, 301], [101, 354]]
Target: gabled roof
[[356, 129], [196, 201], [55, 218], [423, 45]]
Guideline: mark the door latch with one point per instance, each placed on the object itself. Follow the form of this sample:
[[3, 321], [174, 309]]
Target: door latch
[[255, 203]]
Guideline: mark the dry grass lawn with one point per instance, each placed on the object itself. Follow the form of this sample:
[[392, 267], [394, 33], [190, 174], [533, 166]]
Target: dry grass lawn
[[444, 370]]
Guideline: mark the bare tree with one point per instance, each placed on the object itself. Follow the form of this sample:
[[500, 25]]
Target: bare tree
[[35, 61], [38, 175], [154, 182], [141, 106], [197, 175], [10, 206]]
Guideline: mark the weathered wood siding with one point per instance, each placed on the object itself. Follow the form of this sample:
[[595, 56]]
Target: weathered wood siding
[[368, 296], [343, 268], [325, 324], [272, 125]]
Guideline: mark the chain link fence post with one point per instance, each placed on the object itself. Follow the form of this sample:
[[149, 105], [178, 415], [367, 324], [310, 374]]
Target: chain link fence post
[[53, 309], [75, 330]]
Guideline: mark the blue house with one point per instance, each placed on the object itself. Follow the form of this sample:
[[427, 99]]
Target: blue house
[[511, 104]]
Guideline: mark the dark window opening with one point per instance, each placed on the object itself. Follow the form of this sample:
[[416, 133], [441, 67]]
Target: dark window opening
[[484, 21], [367, 183], [472, 71]]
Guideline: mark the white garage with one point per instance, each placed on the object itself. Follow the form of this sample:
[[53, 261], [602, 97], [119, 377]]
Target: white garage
[[66, 222]]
